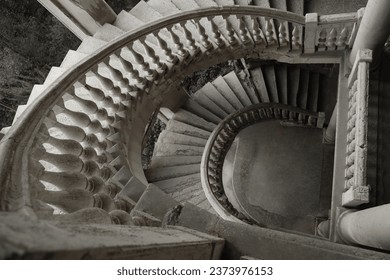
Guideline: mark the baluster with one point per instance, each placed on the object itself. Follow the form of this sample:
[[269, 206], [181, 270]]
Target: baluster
[[72, 132], [341, 42], [269, 32], [112, 190], [296, 38], [230, 33], [109, 85], [151, 74], [104, 202], [204, 39], [322, 39], [178, 44], [216, 34], [122, 204], [283, 38], [244, 34], [167, 51], [69, 162], [312, 121], [258, 35], [98, 95], [331, 40], [134, 74], [161, 68], [190, 40], [66, 181], [116, 74], [301, 118], [70, 201]]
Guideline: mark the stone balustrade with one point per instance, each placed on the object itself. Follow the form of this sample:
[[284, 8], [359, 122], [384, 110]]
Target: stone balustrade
[[356, 190]]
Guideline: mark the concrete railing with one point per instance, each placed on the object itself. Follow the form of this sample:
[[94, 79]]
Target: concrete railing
[[356, 188], [78, 145], [222, 138]]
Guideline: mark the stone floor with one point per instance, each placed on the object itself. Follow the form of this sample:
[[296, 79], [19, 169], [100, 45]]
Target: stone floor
[[277, 170]]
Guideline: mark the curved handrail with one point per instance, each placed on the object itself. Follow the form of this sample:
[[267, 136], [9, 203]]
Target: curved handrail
[[14, 146], [222, 138]]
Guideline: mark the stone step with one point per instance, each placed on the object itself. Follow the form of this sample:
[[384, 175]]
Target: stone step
[[197, 109], [234, 83], [177, 150], [174, 161], [3, 131], [19, 112], [314, 88], [155, 202], [193, 120], [122, 176], [177, 184], [36, 91], [205, 101], [211, 92], [270, 81], [163, 173], [260, 85], [54, 73], [166, 8], [224, 2], [108, 32], [281, 83], [90, 45], [169, 137], [127, 22], [186, 129], [72, 57], [132, 190], [247, 84], [185, 5], [145, 13], [220, 84], [293, 77], [303, 91]]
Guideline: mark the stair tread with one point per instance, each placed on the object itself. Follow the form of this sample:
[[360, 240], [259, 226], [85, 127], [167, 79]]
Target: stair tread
[[176, 184], [281, 83], [207, 3], [303, 88], [144, 12], [197, 109], [220, 84], [209, 104], [90, 44], [247, 85], [192, 119], [234, 83], [224, 2], [54, 73], [167, 136], [187, 129], [36, 91], [177, 149], [166, 8], [293, 75], [185, 5], [108, 32], [127, 21], [270, 81], [259, 82], [167, 172], [211, 92], [165, 161], [312, 102], [19, 112], [72, 57]]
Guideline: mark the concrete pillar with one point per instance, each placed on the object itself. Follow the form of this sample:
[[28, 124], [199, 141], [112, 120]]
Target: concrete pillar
[[369, 227], [330, 132], [374, 28]]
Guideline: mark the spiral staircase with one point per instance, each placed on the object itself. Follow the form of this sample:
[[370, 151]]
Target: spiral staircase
[[72, 160]]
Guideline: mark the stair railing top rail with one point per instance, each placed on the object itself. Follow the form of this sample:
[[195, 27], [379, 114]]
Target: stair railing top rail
[[124, 94], [221, 140], [356, 190]]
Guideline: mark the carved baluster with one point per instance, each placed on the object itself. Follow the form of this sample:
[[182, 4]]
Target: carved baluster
[[109, 85], [322, 40], [72, 132], [244, 34], [117, 75], [120, 217], [190, 40], [301, 118], [151, 74], [230, 33], [204, 39], [164, 47], [104, 202], [98, 95], [258, 35], [216, 34], [161, 68], [283, 37], [178, 44], [66, 181], [331, 40], [269, 32], [134, 74], [296, 38], [122, 204], [342, 40]]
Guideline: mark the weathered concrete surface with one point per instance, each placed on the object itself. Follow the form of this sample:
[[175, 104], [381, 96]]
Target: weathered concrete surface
[[23, 237], [263, 243]]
